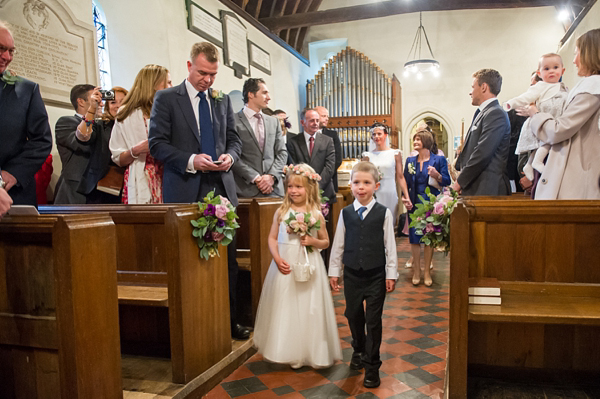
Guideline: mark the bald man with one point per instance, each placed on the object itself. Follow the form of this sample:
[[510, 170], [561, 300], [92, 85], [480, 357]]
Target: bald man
[[24, 130]]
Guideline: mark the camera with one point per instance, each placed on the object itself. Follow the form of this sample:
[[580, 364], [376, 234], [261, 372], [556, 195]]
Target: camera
[[107, 95]]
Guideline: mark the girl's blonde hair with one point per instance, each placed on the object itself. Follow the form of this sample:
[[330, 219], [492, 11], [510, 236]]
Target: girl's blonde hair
[[142, 93], [313, 198]]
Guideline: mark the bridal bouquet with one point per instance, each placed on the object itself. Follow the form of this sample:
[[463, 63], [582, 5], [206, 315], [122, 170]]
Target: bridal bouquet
[[217, 224], [302, 223], [431, 219]]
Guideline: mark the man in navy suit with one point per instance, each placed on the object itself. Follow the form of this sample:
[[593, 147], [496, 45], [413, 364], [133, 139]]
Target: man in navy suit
[[192, 131], [25, 136], [482, 162]]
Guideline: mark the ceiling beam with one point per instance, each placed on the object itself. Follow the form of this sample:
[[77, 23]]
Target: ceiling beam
[[393, 7]]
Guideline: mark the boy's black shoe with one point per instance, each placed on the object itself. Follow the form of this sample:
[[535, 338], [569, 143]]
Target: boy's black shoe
[[356, 362], [372, 379]]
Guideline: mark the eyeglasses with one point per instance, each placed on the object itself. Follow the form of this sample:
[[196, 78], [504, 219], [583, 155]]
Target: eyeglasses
[[11, 51]]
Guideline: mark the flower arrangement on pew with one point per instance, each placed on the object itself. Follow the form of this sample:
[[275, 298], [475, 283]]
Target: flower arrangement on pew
[[302, 223], [324, 204], [217, 224], [431, 219]]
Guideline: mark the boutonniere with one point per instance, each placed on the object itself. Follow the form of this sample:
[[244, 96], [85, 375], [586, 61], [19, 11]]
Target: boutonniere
[[10, 78], [217, 95], [411, 168]]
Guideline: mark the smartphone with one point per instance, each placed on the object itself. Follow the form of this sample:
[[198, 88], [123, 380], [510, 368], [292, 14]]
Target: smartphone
[[217, 162]]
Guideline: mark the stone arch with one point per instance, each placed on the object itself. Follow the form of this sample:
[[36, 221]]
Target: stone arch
[[437, 115]]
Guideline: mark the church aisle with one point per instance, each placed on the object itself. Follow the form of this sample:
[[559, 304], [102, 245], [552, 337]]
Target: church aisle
[[413, 351]]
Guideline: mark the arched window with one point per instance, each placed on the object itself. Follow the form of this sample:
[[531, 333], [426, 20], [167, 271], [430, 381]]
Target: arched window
[[101, 39]]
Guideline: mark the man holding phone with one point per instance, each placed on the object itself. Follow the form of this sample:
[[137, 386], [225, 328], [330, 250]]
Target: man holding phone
[[192, 131]]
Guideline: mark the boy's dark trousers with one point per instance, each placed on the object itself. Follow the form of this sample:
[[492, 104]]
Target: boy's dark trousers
[[369, 287]]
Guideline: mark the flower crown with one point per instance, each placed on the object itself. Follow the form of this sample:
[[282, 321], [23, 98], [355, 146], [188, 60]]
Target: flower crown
[[299, 170]]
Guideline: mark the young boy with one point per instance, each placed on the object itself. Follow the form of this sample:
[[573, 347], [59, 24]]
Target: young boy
[[364, 242]]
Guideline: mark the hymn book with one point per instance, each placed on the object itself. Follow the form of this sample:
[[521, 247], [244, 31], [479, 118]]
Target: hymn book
[[484, 286]]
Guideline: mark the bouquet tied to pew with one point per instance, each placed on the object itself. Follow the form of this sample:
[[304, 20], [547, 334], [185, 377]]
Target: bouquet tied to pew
[[217, 224], [431, 219]]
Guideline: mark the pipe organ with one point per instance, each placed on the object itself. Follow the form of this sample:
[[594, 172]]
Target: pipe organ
[[357, 94]]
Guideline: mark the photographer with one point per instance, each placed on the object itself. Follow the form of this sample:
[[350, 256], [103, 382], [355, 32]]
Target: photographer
[[74, 155], [102, 180]]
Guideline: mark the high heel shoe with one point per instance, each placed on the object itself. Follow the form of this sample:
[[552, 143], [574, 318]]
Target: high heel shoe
[[416, 281], [408, 264], [428, 282]]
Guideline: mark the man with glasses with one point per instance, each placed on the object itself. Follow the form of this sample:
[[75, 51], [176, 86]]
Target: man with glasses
[[24, 130]]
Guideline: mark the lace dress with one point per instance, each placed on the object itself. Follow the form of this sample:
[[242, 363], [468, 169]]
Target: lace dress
[[295, 321], [387, 194]]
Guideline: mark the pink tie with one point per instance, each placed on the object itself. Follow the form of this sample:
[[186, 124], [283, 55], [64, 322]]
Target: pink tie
[[311, 144], [260, 131]]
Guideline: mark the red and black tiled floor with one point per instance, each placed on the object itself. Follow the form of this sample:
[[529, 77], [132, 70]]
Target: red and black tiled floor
[[413, 351]]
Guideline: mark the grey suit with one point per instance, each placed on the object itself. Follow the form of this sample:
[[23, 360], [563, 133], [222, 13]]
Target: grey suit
[[483, 160], [322, 159], [255, 162], [74, 156]]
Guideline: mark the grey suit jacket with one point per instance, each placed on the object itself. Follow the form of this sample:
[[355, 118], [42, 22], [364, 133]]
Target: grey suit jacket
[[483, 160], [174, 136], [74, 156], [255, 162], [322, 159]]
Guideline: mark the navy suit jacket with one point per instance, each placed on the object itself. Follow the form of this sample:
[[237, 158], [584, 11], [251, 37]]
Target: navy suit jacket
[[438, 162], [174, 136], [482, 162], [25, 137]]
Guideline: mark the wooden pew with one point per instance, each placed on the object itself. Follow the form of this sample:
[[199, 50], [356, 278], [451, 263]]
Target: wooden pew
[[544, 254], [58, 308], [253, 255], [172, 303]]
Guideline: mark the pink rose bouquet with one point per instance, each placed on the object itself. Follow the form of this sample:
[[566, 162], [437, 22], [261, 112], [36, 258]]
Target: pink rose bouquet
[[431, 219], [217, 224], [302, 223]]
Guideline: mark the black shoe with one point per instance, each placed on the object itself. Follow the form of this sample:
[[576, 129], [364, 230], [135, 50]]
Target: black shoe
[[356, 362], [240, 332], [372, 379]]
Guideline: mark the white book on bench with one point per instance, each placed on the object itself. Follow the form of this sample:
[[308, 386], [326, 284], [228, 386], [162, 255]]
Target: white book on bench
[[484, 300], [484, 286]]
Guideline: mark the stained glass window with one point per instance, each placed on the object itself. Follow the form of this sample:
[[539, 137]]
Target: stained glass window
[[101, 39]]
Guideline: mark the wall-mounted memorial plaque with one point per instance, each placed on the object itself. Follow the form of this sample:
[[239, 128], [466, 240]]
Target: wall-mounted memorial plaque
[[259, 58], [204, 23], [53, 49], [235, 49]]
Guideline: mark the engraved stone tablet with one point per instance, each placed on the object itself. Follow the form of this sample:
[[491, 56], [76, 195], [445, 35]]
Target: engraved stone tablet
[[53, 49]]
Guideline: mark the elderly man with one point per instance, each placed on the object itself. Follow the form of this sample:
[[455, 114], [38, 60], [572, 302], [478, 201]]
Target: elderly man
[[314, 149], [25, 136], [258, 172], [192, 131], [323, 121], [482, 161]]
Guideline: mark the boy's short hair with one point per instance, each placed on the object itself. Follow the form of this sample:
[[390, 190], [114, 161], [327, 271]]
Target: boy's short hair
[[491, 77], [367, 167], [549, 55]]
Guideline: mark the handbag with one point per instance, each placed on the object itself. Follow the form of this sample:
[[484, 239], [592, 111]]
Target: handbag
[[112, 182], [303, 270]]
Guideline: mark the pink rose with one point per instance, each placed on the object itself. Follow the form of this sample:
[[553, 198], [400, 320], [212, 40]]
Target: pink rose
[[312, 221], [217, 236], [300, 217], [221, 211], [429, 228], [438, 208], [224, 201], [446, 199]]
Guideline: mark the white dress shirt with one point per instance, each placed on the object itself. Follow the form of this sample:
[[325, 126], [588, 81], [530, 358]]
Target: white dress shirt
[[307, 140], [195, 100], [337, 248]]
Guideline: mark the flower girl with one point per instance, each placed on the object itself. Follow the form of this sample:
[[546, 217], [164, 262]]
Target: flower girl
[[295, 321]]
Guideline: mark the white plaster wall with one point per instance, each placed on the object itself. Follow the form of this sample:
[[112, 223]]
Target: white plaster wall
[[567, 51], [510, 41]]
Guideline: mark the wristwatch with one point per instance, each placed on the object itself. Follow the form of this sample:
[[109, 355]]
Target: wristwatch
[[2, 182]]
